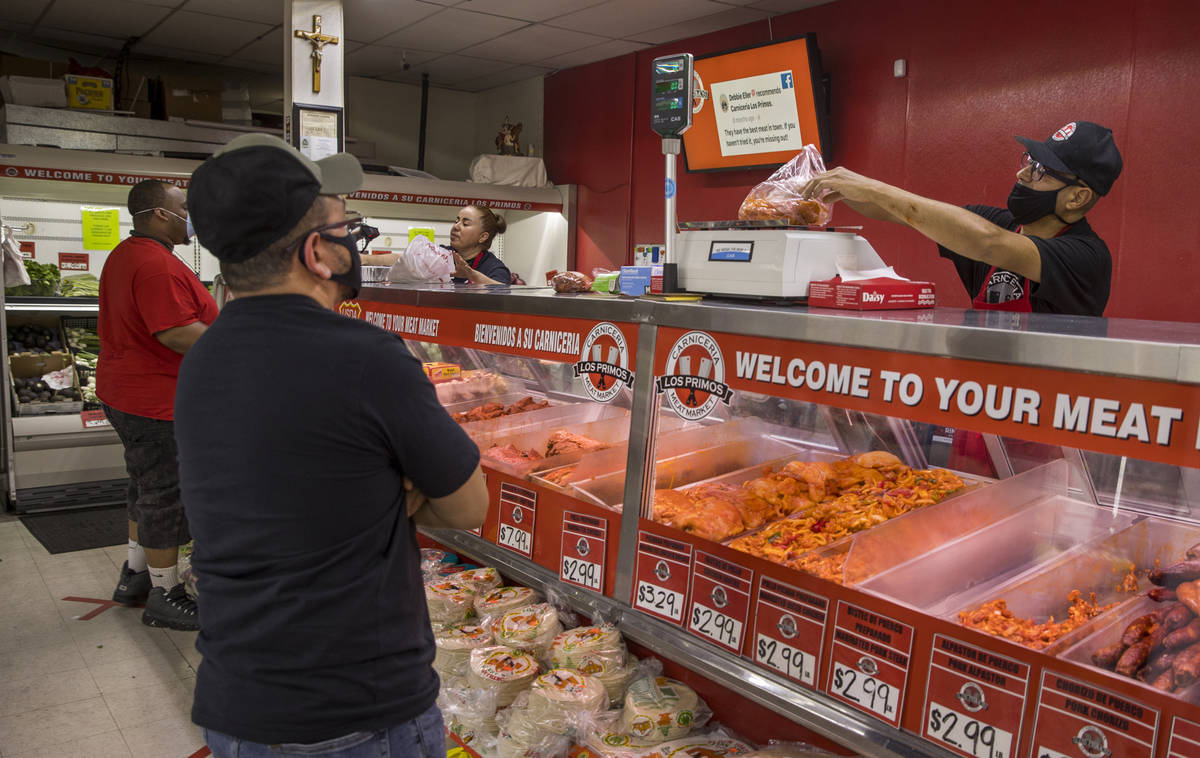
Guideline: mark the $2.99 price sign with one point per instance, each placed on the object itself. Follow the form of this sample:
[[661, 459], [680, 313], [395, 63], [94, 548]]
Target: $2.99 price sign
[[720, 601], [584, 547], [787, 660], [876, 696], [716, 626], [967, 734], [583, 573]]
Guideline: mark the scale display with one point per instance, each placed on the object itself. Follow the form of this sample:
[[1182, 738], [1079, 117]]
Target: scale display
[[671, 96]]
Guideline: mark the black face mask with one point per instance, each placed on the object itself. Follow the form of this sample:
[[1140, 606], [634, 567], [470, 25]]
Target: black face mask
[[351, 279], [1028, 205]]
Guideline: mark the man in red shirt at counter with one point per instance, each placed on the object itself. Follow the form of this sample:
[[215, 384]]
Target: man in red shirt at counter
[[153, 308], [1036, 255]]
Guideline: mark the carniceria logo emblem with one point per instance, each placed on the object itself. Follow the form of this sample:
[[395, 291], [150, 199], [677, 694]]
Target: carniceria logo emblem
[[604, 363], [694, 378]]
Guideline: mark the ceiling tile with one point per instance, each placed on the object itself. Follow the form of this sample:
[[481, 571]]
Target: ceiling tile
[[444, 3], [601, 52], [23, 11], [173, 52], [514, 74], [452, 30], [265, 13], [451, 70], [377, 60], [724, 20], [786, 6], [536, 41], [111, 18], [368, 20], [199, 31], [70, 41], [266, 49], [530, 10], [625, 18]]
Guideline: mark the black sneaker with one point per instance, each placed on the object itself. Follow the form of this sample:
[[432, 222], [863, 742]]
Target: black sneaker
[[172, 609], [133, 587]]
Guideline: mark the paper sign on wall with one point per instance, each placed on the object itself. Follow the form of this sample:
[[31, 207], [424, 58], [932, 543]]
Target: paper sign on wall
[[101, 228]]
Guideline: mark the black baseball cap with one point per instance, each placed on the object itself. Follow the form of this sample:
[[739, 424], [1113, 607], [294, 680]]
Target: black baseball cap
[[256, 189], [1082, 149]]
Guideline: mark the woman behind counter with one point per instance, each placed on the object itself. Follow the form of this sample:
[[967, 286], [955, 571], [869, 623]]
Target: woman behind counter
[[474, 228]]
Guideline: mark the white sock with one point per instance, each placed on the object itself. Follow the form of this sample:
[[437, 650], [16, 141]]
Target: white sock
[[136, 557], [164, 577]]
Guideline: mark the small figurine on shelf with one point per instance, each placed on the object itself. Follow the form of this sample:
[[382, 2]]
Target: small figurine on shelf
[[508, 141]]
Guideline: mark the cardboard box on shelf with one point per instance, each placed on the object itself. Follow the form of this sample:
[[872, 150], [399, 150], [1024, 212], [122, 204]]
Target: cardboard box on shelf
[[89, 92], [33, 90], [28, 366], [871, 294], [442, 372], [193, 104]]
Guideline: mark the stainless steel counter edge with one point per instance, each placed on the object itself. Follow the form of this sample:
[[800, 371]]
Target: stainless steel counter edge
[[1159, 350], [816, 712]]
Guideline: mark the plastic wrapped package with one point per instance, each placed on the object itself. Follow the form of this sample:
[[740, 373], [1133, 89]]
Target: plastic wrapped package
[[469, 713], [658, 709], [454, 646], [521, 737], [597, 651], [422, 261], [482, 580], [501, 670], [558, 698], [504, 599], [778, 198], [571, 281], [449, 602], [789, 750], [532, 628], [604, 740]]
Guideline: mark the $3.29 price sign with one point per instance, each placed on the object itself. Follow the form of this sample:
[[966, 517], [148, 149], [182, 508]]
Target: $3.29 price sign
[[661, 578], [874, 695], [787, 660], [967, 734], [659, 600]]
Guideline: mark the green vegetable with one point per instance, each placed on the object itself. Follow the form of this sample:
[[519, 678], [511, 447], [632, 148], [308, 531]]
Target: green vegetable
[[43, 281], [83, 285]]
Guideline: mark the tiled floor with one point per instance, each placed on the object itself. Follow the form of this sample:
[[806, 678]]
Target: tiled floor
[[105, 687]]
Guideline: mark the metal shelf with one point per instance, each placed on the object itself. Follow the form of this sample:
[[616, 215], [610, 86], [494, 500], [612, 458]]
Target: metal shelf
[[52, 304], [811, 710]]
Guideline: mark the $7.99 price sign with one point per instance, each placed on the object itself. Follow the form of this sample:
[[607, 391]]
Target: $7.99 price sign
[[967, 734], [518, 513], [869, 692]]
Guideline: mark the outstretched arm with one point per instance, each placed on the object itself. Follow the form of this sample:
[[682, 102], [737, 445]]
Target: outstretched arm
[[948, 225]]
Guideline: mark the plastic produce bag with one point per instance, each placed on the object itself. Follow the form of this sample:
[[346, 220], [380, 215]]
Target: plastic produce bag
[[778, 198], [422, 261], [570, 281]]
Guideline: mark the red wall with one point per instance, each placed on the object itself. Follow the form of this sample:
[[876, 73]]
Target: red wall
[[976, 77]]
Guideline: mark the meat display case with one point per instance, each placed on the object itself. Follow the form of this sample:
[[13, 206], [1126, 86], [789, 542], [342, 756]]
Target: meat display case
[[1075, 441]]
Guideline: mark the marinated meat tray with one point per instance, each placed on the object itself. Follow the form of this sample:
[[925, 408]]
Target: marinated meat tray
[[486, 431]]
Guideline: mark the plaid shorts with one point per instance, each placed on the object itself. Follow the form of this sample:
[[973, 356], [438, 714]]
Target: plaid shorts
[[153, 466]]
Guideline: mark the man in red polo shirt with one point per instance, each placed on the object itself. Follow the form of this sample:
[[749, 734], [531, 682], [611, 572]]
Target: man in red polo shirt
[[153, 308]]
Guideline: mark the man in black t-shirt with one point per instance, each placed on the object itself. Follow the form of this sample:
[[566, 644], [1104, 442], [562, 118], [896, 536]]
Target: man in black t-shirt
[[1038, 254], [310, 444]]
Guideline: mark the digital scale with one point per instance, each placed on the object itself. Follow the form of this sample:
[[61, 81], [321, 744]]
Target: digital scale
[[755, 259]]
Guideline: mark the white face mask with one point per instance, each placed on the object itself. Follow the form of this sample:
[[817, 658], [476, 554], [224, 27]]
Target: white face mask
[[189, 230]]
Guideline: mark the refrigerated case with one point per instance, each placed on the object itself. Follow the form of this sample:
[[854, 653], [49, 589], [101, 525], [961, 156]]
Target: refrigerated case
[[66, 460], [867, 616]]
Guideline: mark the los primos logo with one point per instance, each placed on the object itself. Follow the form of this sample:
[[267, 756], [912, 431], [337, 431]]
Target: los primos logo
[[604, 363], [694, 381]]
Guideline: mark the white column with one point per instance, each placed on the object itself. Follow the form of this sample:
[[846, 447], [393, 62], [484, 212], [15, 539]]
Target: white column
[[298, 57]]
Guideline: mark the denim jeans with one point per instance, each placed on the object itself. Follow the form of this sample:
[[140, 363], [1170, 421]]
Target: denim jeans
[[422, 737]]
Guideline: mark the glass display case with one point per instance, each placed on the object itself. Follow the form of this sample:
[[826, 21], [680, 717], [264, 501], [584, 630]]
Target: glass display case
[[916, 533]]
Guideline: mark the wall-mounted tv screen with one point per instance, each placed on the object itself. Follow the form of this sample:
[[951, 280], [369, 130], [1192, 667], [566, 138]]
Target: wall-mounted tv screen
[[764, 104]]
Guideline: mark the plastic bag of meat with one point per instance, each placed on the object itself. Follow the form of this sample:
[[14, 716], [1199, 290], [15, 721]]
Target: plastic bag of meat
[[422, 261], [571, 281], [778, 198]]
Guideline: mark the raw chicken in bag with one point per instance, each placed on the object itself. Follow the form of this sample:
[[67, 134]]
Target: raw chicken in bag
[[778, 198]]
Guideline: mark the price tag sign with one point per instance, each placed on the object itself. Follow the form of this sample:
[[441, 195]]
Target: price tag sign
[[1075, 718], [94, 419], [789, 626], [661, 582], [974, 700], [1185, 739], [72, 261], [870, 658], [584, 545], [720, 601], [518, 511], [28, 250]]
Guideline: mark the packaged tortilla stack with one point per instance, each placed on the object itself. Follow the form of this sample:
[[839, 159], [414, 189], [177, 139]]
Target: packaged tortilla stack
[[658, 709], [504, 599], [454, 646], [449, 602], [558, 697], [501, 670], [531, 628], [597, 651], [482, 580], [521, 737]]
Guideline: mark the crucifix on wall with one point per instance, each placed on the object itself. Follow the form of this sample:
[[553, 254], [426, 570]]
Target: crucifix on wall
[[318, 41]]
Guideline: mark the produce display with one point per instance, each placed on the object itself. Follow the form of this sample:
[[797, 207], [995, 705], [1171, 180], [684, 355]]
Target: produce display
[[82, 285], [489, 411], [33, 339], [43, 281], [995, 618], [34, 389]]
